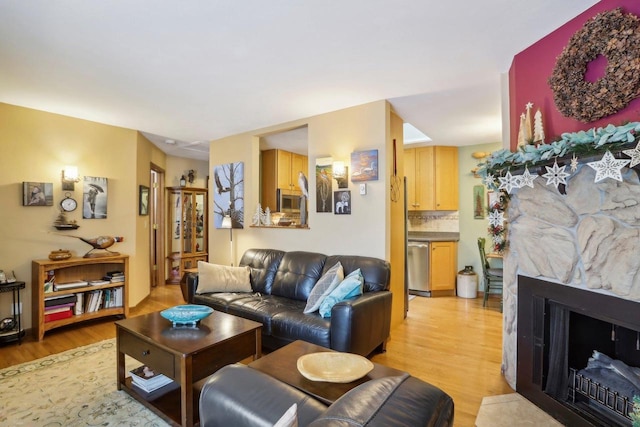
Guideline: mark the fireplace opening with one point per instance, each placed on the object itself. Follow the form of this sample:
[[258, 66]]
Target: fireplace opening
[[578, 353]]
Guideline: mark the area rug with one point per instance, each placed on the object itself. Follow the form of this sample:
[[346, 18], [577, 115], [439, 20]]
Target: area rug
[[508, 410], [73, 388]]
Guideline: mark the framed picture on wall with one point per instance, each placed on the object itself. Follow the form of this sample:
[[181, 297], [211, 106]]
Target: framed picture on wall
[[364, 166], [37, 194], [324, 184], [143, 208], [478, 202], [342, 202], [95, 191]]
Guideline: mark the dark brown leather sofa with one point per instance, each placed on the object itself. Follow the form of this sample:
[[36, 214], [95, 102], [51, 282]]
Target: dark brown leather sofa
[[281, 283]]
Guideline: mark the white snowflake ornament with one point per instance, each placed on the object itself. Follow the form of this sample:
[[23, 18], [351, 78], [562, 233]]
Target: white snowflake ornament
[[509, 182], [556, 175], [489, 181], [526, 179], [608, 167], [634, 153], [496, 218]]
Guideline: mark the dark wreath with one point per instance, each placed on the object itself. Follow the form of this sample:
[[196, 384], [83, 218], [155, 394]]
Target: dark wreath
[[614, 35]]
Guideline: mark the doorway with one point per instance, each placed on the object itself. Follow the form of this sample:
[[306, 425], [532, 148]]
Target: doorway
[[156, 226]]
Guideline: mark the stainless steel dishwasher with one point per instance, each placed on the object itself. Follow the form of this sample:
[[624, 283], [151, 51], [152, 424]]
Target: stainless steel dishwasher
[[418, 266]]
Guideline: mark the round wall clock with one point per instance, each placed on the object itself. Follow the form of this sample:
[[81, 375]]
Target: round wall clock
[[68, 204]]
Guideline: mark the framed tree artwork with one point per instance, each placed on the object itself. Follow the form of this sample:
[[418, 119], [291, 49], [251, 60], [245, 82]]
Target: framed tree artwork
[[228, 194], [478, 202]]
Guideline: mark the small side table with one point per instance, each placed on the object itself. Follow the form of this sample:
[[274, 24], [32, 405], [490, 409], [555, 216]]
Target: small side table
[[16, 333]]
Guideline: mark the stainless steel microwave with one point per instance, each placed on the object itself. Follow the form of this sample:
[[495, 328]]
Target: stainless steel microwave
[[288, 200]]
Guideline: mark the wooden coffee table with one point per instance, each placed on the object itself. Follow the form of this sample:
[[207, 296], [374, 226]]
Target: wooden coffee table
[[185, 354], [282, 365]]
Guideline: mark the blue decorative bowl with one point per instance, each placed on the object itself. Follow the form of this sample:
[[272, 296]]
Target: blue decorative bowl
[[188, 314]]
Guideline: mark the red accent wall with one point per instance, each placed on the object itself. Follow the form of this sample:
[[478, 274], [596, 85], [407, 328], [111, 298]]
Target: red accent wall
[[531, 69]]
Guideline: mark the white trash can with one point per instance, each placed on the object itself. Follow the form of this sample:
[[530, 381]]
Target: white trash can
[[467, 283]]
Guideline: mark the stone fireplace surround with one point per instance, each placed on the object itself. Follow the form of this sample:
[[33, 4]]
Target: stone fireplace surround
[[588, 238]]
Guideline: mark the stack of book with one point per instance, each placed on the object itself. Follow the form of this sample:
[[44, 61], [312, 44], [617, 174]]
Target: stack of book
[[149, 384], [59, 307], [114, 276]]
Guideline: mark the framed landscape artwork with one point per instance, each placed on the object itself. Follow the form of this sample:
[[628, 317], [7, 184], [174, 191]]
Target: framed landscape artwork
[[364, 166]]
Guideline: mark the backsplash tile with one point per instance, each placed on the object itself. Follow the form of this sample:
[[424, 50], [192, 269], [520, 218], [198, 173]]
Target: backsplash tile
[[434, 221]]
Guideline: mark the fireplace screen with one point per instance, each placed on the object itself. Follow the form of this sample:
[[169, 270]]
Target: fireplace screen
[[578, 353]]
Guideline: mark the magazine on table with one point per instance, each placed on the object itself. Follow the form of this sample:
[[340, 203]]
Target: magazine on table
[[148, 380]]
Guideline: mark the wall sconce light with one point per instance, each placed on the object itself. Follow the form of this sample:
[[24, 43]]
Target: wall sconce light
[[69, 178], [191, 175], [341, 174], [227, 223]]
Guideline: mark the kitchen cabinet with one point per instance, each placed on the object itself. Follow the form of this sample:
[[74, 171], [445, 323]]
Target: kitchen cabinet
[[432, 178], [443, 259], [280, 171], [187, 230]]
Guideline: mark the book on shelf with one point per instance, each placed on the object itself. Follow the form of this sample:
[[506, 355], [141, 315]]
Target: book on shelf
[[70, 285], [58, 308], [58, 316], [148, 380], [153, 395], [99, 282], [79, 305], [59, 299]]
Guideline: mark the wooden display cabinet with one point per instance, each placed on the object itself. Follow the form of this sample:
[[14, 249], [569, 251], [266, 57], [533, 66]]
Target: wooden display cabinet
[[72, 270], [187, 230]]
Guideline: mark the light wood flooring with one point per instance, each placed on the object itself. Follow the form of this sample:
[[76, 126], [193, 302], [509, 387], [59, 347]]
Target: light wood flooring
[[453, 343]]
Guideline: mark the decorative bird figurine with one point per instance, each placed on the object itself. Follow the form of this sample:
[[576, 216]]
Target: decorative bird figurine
[[101, 242], [304, 184]]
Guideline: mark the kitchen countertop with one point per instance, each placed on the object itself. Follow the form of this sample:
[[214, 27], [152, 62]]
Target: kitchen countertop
[[433, 236]]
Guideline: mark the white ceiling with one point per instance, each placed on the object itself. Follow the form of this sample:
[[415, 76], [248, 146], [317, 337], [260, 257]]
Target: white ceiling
[[198, 70]]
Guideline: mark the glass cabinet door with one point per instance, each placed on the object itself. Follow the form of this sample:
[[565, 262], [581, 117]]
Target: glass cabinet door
[[187, 230], [200, 218]]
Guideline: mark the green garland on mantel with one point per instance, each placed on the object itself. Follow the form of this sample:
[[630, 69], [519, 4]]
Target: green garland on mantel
[[583, 143]]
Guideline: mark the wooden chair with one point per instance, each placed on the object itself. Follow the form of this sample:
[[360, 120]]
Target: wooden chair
[[492, 276]]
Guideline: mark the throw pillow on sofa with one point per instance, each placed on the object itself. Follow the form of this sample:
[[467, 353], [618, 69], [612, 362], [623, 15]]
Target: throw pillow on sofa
[[350, 287], [222, 278], [323, 287]]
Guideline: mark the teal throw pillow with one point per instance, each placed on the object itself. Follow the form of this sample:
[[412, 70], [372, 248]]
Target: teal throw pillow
[[350, 287], [323, 287]]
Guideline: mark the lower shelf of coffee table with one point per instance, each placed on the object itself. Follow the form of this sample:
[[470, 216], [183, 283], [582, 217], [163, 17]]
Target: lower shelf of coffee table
[[167, 406]]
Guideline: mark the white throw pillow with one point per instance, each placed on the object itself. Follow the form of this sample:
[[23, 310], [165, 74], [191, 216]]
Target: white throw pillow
[[289, 418], [221, 278], [323, 287]]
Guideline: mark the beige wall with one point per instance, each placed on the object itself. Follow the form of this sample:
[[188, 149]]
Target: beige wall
[[178, 166], [367, 231], [35, 147]]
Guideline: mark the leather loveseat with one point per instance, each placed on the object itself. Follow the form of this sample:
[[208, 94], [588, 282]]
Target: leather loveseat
[[240, 396], [281, 283]]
